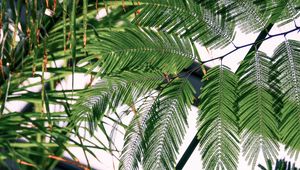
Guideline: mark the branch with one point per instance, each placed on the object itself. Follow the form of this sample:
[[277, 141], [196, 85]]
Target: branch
[[255, 44]]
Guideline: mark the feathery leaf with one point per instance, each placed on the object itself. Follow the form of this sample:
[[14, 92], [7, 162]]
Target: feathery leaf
[[287, 62], [281, 164], [258, 122], [166, 125], [112, 92], [186, 18], [217, 122], [141, 49], [132, 150]]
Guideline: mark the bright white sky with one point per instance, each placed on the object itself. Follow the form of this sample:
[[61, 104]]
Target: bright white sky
[[232, 61]]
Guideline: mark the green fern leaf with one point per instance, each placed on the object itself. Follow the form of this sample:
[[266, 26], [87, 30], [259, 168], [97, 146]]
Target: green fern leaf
[[133, 149], [186, 18], [287, 62], [289, 10], [166, 125], [113, 92], [281, 164], [258, 122], [251, 16], [141, 49], [218, 126], [254, 15]]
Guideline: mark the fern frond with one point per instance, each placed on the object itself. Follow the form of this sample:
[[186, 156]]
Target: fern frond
[[141, 49], [218, 127], [287, 61], [113, 92], [188, 19], [281, 164], [166, 125], [289, 10], [254, 15], [251, 16], [133, 149], [258, 122]]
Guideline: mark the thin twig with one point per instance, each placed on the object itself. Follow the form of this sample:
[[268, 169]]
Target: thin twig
[[254, 43]]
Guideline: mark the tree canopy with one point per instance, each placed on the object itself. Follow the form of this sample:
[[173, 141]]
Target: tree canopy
[[138, 56]]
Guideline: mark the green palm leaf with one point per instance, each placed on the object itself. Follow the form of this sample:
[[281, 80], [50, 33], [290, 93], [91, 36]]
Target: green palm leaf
[[289, 10], [218, 126], [186, 18], [166, 125], [250, 15], [133, 149], [258, 122], [141, 49], [281, 164], [112, 92], [287, 62], [253, 15]]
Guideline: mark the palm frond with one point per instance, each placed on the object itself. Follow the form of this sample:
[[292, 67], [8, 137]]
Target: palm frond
[[281, 164], [258, 122], [112, 92], [133, 150], [186, 18], [166, 125], [141, 49], [287, 62], [289, 11], [250, 15], [218, 127], [254, 15]]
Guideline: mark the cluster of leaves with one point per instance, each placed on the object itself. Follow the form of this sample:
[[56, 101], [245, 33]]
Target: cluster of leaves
[[139, 63], [31, 43], [256, 106], [281, 164]]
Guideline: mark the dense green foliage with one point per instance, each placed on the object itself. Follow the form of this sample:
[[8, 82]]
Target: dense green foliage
[[135, 55], [218, 131], [281, 164]]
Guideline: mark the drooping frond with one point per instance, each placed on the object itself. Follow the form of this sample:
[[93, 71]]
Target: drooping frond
[[166, 125], [133, 149], [287, 61], [258, 122], [250, 15], [289, 10], [254, 15], [141, 49], [218, 126], [260, 13], [281, 164], [113, 92], [186, 18]]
